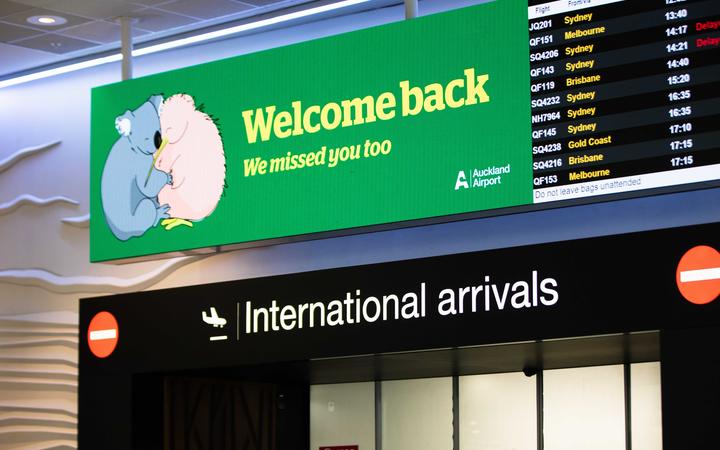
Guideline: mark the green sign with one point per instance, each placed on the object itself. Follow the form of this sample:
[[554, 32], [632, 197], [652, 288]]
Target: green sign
[[406, 121]]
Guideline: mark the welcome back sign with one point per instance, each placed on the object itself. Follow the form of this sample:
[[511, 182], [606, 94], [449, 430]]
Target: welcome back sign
[[403, 122]]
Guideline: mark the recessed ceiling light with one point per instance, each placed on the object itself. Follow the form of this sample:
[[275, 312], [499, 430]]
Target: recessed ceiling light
[[47, 21]]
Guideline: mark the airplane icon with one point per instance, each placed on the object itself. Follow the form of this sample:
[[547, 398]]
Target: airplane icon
[[213, 319]]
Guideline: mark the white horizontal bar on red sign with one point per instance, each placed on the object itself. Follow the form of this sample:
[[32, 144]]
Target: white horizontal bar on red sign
[[99, 335], [688, 276], [564, 6]]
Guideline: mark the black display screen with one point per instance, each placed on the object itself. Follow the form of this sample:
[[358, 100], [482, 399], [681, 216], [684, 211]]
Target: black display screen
[[624, 95]]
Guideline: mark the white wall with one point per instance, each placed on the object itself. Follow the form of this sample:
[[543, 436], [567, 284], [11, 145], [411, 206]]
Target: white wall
[[58, 108]]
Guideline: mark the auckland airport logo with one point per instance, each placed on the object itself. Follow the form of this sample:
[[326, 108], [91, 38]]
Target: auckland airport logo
[[166, 168], [481, 177]]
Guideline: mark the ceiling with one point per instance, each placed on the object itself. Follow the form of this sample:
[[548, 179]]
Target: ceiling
[[92, 25]]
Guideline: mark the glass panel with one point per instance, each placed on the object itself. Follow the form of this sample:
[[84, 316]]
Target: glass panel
[[342, 414], [498, 412], [417, 414], [646, 406], [584, 408]]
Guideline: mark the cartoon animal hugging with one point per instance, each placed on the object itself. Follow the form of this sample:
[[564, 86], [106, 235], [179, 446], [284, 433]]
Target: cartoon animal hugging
[[194, 157], [130, 183]]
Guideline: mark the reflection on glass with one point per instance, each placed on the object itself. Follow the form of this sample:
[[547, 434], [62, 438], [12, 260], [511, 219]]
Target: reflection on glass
[[498, 412], [584, 408], [646, 407], [342, 414], [417, 414]]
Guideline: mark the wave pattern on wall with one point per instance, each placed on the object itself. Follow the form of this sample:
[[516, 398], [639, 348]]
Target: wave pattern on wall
[[38, 381], [53, 282]]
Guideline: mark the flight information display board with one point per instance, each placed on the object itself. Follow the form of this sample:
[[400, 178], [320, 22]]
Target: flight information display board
[[625, 95]]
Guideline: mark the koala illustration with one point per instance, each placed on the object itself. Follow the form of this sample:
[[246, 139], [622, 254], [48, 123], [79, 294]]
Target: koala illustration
[[130, 183]]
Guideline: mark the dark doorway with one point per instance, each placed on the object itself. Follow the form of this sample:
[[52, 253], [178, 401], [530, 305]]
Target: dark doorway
[[214, 412], [204, 414]]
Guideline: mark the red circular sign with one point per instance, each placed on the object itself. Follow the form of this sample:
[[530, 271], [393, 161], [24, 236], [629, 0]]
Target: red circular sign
[[103, 334], [698, 275]]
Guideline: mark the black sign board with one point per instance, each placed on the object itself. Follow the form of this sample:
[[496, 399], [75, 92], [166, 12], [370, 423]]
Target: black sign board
[[575, 288]]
